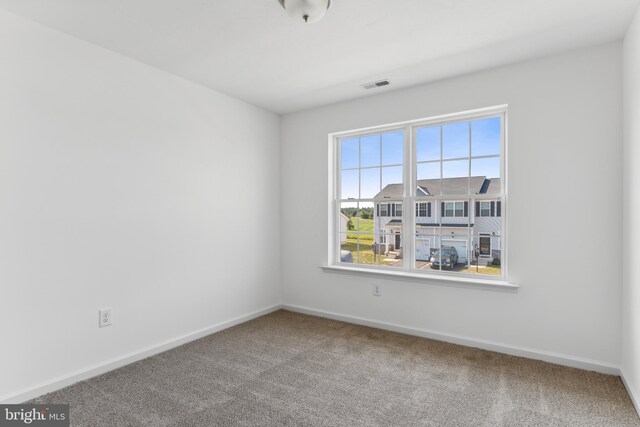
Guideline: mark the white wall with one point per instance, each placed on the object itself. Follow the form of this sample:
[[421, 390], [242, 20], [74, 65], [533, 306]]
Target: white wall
[[122, 186], [631, 197], [564, 224]]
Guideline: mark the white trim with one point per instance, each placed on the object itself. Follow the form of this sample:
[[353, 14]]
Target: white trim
[[633, 394], [440, 277], [555, 358], [117, 362]]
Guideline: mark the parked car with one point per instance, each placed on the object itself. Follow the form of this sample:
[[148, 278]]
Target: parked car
[[346, 256], [448, 255]]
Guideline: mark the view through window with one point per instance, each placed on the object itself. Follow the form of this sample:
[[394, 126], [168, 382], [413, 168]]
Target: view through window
[[456, 191]]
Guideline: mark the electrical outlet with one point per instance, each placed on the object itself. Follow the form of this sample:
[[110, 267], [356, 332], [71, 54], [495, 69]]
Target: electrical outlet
[[105, 317], [376, 291]]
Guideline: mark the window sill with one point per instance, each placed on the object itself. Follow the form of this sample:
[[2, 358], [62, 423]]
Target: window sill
[[470, 282]]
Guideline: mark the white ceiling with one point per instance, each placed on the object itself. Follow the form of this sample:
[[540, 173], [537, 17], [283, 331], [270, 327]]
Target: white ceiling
[[252, 50]]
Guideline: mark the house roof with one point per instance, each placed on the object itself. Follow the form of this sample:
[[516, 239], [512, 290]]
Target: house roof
[[450, 186]]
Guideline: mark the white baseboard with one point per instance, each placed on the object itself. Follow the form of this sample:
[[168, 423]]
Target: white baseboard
[[558, 359], [109, 365], [633, 393]]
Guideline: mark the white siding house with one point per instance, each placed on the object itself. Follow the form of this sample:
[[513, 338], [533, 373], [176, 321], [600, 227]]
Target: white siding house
[[473, 230]]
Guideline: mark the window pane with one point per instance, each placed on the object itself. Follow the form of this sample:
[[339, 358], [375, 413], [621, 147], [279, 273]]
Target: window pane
[[485, 137], [349, 188], [486, 255], [428, 143], [393, 256], [424, 249], [369, 183], [428, 171], [348, 248], [455, 169], [348, 217], [370, 151], [392, 148], [366, 217], [455, 140], [349, 153], [489, 168], [455, 249], [486, 167], [392, 175], [364, 251]]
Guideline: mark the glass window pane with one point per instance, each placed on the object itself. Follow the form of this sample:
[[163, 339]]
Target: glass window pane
[[393, 148], [454, 245], [366, 217], [455, 169], [486, 255], [389, 244], [486, 167], [348, 217], [349, 153], [485, 137], [455, 140], [369, 183], [348, 248], [370, 150], [428, 143], [428, 170], [489, 168], [392, 175], [349, 189], [365, 250]]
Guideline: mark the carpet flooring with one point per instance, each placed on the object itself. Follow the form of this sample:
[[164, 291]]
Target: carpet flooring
[[292, 369]]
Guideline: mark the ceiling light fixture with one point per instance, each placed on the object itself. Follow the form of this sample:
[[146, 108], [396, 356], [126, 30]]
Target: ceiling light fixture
[[307, 10]]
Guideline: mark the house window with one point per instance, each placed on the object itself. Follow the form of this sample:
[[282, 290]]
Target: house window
[[485, 208], [441, 167], [455, 209], [421, 209]]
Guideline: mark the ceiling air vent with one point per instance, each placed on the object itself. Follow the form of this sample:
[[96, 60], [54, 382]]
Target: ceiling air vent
[[373, 85]]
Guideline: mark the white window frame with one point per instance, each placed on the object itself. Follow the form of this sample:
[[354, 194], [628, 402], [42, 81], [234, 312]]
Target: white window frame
[[409, 198]]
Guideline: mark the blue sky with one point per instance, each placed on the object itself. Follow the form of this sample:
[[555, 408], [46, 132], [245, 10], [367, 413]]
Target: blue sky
[[383, 151]]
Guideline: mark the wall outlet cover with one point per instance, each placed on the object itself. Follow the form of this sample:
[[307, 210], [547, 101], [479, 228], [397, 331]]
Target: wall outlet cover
[[105, 317]]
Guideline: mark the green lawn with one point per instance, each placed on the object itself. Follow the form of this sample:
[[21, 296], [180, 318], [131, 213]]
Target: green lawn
[[363, 226], [490, 269], [365, 255]]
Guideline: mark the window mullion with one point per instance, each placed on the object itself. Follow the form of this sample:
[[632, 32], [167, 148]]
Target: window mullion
[[408, 211]]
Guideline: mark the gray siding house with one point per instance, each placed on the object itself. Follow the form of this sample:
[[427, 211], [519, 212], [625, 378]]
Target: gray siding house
[[472, 230]]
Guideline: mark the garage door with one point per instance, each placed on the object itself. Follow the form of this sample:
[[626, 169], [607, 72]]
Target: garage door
[[461, 247], [423, 249]]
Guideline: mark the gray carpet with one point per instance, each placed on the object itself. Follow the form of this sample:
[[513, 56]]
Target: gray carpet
[[292, 369]]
